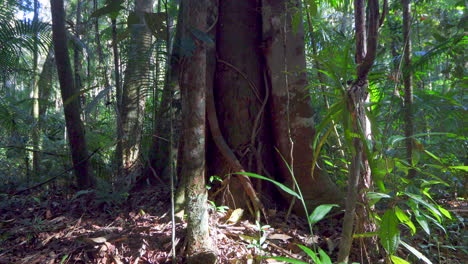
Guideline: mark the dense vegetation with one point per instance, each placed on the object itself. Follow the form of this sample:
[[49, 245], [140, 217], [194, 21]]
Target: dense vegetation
[[348, 114]]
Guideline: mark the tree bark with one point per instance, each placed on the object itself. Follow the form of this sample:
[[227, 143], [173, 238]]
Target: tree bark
[[193, 84], [75, 129], [136, 84], [77, 65], [35, 109], [239, 94], [408, 85], [359, 180], [290, 106]]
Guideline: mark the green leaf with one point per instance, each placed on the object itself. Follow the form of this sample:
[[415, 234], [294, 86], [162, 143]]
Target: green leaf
[[444, 212], [375, 197], [463, 168], [394, 139], [310, 253], [389, 233], [404, 219], [280, 185], [430, 207], [324, 258], [367, 234], [320, 212], [397, 260], [415, 252], [433, 156], [423, 223]]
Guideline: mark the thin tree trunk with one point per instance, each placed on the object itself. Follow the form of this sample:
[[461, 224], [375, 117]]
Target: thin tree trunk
[[100, 52], [408, 85], [359, 181], [35, 110], [193, 83], [71, 104], [77, 52], [118, 95]]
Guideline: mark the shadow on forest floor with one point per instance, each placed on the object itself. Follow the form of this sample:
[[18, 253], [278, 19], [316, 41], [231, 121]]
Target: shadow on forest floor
[[53, 227]]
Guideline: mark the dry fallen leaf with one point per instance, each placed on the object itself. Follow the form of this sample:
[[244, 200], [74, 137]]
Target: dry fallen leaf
[[235, 216], [279, 236]]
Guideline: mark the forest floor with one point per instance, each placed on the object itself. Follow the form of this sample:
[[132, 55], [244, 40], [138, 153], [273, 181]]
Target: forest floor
[[54, 227]]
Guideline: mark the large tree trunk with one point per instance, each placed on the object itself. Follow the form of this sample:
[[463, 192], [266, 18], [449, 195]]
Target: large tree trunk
[[239, 96], [253, 95], [136, 84], [71, 104], [193, 84], [290, 106]]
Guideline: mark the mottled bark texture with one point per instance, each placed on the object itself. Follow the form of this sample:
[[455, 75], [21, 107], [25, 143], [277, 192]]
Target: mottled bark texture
[[71, 104], [136, 84], [193, 88]]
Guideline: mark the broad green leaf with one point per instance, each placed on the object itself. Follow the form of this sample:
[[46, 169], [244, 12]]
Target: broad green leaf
[[280, 185], [397, 260], [463, 168], [308, 251], [324, 258], [375, 197], [415, 252], [320, 212], [444, 212], [430, 207], [389, 233], [404, 219], [423, 223]]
